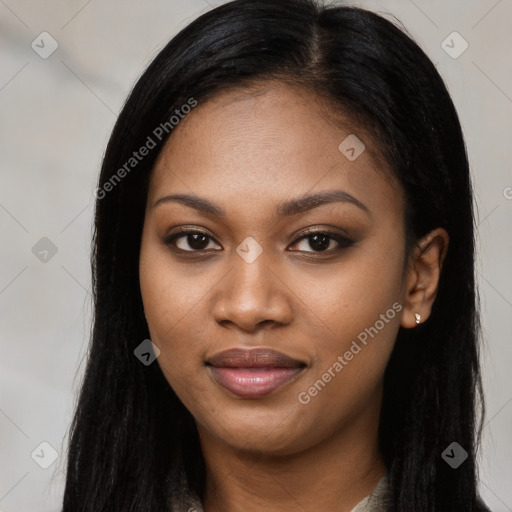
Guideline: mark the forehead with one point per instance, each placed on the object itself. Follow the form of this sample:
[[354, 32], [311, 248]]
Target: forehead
[[265, 142]]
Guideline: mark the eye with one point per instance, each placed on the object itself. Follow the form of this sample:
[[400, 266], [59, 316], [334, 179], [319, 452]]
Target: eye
[[195, 240], [321, 241]]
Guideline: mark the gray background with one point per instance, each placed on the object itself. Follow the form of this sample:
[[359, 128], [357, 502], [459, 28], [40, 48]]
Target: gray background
[[56, 116]]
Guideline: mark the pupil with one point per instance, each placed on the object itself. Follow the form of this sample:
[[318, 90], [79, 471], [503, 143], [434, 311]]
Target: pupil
[[197, 241], [319, 242]]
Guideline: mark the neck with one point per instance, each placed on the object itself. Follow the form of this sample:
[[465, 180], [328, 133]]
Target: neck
[[335, 474]]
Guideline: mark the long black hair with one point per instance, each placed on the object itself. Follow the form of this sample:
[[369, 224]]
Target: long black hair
[[131, 436]]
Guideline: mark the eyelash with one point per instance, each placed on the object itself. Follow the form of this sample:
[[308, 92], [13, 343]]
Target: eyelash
[[343, 241]]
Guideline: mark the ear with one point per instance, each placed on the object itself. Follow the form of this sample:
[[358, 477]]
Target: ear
[[422, 276]]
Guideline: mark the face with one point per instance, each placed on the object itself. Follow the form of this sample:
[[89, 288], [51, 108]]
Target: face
[[249, 266]]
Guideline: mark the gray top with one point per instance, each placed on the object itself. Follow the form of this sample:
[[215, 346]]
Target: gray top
[[377, 501]]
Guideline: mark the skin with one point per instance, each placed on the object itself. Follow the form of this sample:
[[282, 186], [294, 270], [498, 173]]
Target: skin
[[247, 151]]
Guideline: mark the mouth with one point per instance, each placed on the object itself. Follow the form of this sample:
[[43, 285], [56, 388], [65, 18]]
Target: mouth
[[253, 373]]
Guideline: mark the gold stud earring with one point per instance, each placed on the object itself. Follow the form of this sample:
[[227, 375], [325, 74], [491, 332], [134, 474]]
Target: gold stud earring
[[418, 317]]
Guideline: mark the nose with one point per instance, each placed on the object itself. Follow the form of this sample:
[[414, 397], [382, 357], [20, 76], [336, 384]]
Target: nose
[[252, 296]]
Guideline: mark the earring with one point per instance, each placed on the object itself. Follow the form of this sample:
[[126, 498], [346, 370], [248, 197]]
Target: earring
[[418, 317]]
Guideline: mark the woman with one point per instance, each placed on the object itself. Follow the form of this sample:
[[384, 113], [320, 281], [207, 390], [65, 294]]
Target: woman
[[285, 306]]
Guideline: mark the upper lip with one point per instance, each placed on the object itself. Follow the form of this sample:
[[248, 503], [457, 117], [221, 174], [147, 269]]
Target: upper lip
[[253, 358]]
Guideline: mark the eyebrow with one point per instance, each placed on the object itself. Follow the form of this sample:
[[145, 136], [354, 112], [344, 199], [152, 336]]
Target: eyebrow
[[288, 208]]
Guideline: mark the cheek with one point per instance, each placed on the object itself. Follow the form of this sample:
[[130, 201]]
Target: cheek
[[359, 302], [169, 303], [171, 291], [169, 308]]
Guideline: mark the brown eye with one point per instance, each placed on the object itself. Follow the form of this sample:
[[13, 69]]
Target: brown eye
[[189, 241], [321, 241]]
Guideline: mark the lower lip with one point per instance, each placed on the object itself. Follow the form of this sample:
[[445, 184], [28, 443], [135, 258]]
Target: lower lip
[[253, 382]]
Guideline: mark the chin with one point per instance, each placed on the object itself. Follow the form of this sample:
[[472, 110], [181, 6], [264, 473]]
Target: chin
[[271, 432]]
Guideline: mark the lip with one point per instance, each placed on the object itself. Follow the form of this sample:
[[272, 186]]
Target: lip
[[253, 373]]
